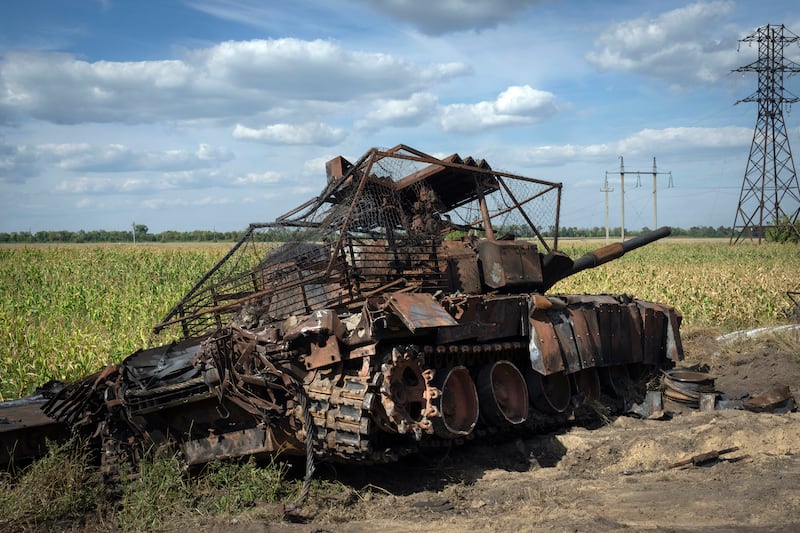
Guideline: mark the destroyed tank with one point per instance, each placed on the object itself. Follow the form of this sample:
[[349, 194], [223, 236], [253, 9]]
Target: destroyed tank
[[404, 311]]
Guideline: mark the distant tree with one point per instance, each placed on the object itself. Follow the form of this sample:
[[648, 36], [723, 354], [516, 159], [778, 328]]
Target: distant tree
[[784, 230]]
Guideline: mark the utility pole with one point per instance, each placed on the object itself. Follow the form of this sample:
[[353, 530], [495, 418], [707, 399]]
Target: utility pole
[[133, 227], [606, 190], [622, 187], [770, 195], [655, 194], [638, 173]]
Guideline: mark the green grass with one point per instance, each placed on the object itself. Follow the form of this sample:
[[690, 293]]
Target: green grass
[[711, 283], [66, 311], [165, 494], [63, 487], [58, 486]]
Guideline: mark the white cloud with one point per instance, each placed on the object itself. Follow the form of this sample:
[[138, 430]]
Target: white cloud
[[18, 163], [162, 203], [514, 106], [679, 45], [263, 178], [440, 17], [102, 185], [316, 165], [647, 142], [407, 112], [230, 79], [309, 133]]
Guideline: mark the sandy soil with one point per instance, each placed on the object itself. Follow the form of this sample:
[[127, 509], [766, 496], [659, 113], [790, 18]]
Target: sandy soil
[[609, 478]]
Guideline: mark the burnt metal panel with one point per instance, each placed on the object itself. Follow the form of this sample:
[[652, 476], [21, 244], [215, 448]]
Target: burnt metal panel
[[654, 329], [545, 351], [604, 313], [25, 430], [501, 317], [670, 344], [323, 354], [462, 267], [635, 333], [590, 299], [226, 445], [510, 264], [584, 337], [566, 339], [419, 311], [620, 338], [674, 344]]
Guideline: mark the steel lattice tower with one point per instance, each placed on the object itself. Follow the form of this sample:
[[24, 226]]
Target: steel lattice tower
[[770, 196]]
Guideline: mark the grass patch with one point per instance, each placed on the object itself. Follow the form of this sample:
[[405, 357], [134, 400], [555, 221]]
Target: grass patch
[[61, 485], [65, 487], [165, 495]]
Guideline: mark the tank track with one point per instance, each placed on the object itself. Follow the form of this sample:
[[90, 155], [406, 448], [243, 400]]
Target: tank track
[[351, 423]]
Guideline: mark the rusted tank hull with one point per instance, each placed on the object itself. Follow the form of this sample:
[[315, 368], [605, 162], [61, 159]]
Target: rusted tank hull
[[426, 373], [399, 316]]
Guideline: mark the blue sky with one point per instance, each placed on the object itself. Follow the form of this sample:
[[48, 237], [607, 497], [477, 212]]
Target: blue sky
[[211, 114]]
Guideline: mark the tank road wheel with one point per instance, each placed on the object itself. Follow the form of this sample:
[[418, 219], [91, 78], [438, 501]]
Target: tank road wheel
[[406, 391], [549, 394], [457, 403], [587, 383], [616, 380], [641, 371], [503, 394]]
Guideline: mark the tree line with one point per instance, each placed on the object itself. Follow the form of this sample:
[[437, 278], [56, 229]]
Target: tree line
[[141, 234]]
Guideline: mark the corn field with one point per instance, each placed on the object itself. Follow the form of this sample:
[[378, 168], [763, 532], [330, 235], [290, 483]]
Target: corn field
[[66, 311]]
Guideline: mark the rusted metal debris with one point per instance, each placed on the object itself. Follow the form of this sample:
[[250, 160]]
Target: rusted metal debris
[[402, 313], [687, 386], [707, 458], [693, 389], [773, 400]]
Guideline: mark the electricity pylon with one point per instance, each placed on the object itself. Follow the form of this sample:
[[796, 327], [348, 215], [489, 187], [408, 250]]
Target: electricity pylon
[[770, 196]]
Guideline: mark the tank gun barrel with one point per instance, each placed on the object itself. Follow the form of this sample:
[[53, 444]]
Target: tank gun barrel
[[616, 250], [558, 266]]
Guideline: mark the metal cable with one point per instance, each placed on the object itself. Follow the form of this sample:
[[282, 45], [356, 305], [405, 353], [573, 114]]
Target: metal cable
[[311, 433]]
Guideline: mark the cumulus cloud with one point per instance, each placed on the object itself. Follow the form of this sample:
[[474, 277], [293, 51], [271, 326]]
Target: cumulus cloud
[[514, 106], [165, 181], [163, 203], [316, 165], [103, 185], [309, 133], [406, 112], [259, 178], [17, 163], [437, 18], [230, 79], [121, 158], [683, 141], [679, 45]]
